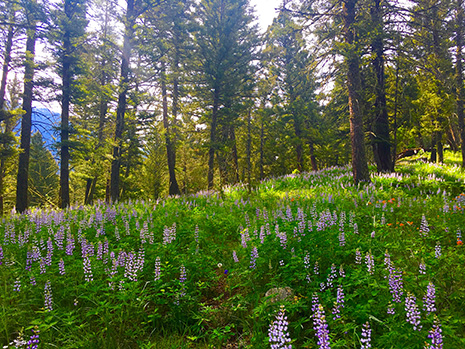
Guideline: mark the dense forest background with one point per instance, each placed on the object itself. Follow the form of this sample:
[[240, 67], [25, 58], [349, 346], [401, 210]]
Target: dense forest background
[[176, 96]]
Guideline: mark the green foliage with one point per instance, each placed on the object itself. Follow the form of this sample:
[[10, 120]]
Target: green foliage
[[164, 275]]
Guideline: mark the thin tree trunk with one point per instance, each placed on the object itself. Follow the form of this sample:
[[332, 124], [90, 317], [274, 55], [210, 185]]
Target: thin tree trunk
[[232, 137], [382, 146], [213, 126], [173, 185], [65, 103], [3, 114], [121, 108], [459, 74], [396, 101], [357, 137], [262, 142], [6, 64], [249, 147], [298, 147], [311, 149], [26, 123]]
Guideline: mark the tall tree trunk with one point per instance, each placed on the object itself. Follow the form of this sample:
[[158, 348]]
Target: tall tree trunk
[[382, 146], [298, 147], [213, 126], [232, 137], [173, 185], [311, 149], [396, 102], [359, 161], [434, 137], [249, 146], [6, 64], [3, 114], [121, 108], [65, 103], [459, 74], [26, 123], [262, 143]]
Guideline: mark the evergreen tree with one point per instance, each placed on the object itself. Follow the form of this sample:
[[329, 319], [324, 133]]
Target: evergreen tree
[[226, 41], [43, 174], [70, 17]]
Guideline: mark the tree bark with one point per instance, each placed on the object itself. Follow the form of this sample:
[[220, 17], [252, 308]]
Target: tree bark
[[3, 114], [173, 185], [65, 103], [382, 145], [213, 126], [359, 161], [121, 108], [396, 102], [459, 74], [26, 123], [249, 147], [235, 158], [262, 142]]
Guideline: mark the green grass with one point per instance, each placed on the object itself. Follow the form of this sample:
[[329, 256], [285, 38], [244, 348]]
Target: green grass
[[294, 222]]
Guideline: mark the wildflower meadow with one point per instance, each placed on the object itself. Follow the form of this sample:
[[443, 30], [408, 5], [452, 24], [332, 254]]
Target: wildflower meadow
[[379, 265]]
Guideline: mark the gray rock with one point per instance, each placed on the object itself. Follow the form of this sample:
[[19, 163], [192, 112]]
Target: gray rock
[[279, 294]]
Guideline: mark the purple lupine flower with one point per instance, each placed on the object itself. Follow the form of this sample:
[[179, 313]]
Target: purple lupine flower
[[32, 280], [358, 256], [61, 267], [262, 234], [157, 269], [342, 273], [86, 265], [1, 255], [355, 228], [424, 228], [372, 234], [130, 267], [387, 260], [278, 335], [422, 268], [117, 235], [315, 302], [282, 235], [43, 266], [429, 305], [342, 238], [245, 237], [413, 314], [332, 276], [182, 279], [321, 328], [391, 310], [17, 285], [307, 266], [395, 284], [100, 250], [33, 342], [48, 296], [236, 260], [437, 250], [182, 274], [435, 334], [316, 268], [339, 303], [366, 336], [370, 262], [253, 257]]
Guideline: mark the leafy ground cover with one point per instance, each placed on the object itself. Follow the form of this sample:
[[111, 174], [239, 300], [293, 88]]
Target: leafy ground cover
[[380, 264]]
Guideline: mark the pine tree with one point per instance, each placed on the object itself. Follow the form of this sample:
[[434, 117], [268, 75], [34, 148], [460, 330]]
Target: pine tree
[[226, 43]]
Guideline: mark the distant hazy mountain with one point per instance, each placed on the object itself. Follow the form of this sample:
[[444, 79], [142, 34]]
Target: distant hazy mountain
[[44, 121]]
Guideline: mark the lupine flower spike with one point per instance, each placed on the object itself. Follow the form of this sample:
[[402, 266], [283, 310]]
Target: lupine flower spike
[[278, 335]]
